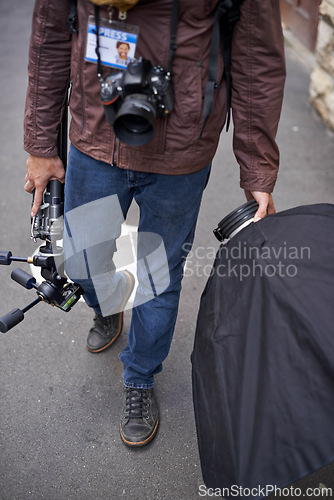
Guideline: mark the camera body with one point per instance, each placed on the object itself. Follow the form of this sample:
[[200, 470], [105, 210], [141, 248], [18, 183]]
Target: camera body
[[133, 99]]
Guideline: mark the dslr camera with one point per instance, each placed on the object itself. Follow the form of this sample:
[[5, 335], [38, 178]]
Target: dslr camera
[[134, 98]]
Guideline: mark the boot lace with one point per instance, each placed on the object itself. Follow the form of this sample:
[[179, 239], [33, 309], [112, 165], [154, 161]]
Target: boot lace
[[137, 403], [102, 325]]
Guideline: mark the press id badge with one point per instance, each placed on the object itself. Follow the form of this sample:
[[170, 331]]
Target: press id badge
[[117, 43]]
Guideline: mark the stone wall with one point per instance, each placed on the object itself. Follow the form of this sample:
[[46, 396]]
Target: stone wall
[[322, 77]]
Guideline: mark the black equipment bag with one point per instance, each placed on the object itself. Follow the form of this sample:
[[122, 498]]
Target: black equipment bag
[[263, 356]]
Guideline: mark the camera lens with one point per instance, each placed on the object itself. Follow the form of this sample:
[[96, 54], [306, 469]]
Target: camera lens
[[134, 122]]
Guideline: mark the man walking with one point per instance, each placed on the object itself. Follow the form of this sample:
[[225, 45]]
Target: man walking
[[167, 175]]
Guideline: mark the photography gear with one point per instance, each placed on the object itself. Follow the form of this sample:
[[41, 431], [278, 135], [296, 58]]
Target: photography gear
[[56, 290], [48, 223], [263, 355], [135, 98], [236, 221], [227, 15]]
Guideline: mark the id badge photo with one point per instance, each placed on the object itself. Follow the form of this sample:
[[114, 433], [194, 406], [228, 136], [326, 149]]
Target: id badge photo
[[117, 43]]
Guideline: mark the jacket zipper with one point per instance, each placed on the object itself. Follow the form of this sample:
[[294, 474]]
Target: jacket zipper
[[116, 149]]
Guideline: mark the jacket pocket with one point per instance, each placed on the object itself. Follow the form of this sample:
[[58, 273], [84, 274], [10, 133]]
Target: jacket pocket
[[188, 96]]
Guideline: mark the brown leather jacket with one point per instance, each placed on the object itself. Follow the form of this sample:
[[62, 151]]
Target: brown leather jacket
[[258, 71]]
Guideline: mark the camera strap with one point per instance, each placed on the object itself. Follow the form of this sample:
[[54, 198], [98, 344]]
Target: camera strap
[[172, 40], [72, 20], [97, 48]]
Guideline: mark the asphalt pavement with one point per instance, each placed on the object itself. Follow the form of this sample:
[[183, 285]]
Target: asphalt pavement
[[60, 405]]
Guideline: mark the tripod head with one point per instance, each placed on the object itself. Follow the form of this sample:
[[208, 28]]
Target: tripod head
[[56, 289]]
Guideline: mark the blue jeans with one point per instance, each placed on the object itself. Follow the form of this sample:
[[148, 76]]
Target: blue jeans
[[169, 206]]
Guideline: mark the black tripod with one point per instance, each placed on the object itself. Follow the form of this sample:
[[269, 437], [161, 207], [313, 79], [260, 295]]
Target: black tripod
[[56, 290]]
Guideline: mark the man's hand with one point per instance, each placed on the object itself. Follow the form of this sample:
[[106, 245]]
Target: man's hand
[[265, 202], [39, 172]]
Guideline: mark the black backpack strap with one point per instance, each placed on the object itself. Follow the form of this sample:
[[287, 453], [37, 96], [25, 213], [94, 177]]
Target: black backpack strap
[[226, 16], [72, 19], [172, 38]]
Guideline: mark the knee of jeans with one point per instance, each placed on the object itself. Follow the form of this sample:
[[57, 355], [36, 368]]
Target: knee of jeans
[[75, 268]]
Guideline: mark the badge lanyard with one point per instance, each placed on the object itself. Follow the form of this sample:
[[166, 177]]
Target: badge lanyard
[[115, 46]]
